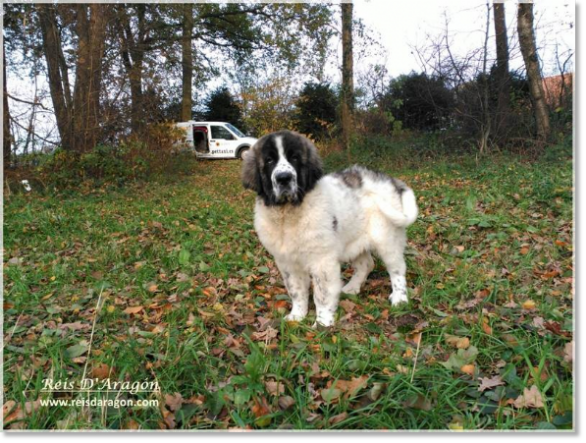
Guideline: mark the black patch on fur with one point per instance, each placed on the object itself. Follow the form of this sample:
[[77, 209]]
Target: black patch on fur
[[335, 224], [351, 177], [400, 187]]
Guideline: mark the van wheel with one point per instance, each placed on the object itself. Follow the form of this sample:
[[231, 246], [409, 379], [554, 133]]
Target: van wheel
[[241, 152]]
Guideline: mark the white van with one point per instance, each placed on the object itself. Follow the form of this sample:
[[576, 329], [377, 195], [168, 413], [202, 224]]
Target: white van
[[214, 139]]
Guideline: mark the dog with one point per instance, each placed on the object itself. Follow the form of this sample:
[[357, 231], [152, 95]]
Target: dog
[[311, 223]]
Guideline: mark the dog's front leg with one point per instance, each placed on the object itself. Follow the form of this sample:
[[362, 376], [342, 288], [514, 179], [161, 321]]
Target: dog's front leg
[[297, 284], [327, 284]]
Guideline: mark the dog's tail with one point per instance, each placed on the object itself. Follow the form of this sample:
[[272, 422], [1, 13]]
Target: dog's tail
[[409, 213]]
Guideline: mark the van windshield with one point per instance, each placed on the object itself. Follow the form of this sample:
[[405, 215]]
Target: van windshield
[[235, 130]]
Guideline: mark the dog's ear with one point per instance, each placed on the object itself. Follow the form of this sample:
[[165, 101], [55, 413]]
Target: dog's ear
[[313, 167], [251, 178]]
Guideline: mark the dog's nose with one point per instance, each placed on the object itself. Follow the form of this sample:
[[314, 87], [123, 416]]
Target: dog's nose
[[284, 178]]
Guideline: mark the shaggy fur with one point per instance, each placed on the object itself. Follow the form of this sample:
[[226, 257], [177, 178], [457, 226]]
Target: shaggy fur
[[312, 223]]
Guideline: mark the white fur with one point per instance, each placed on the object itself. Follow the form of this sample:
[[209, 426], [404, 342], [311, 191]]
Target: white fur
[[283, 165], [305, 245]]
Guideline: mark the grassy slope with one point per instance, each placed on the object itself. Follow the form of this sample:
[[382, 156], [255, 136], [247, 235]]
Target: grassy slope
[[490, 260]]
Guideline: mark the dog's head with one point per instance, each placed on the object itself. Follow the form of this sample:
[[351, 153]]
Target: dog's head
[[282, 168]]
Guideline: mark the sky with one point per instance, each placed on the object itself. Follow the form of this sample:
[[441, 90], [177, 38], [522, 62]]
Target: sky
[[400, 27], [404, 25]]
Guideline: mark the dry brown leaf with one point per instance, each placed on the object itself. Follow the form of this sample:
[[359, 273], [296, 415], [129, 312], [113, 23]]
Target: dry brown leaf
[[7, 407], [169, 419], [286, 402], [569, 352], [489, 383], [76, 326], [173, 401], [133, 310], [468, 369], [17, 414], [348, 305], [101, 371], [418, 402], [531, 398], [131, 424], [337, 418], [266, 335], [260, 407], [402, 369], [538, 322], [274, 387], [351, 387], [458, 342]]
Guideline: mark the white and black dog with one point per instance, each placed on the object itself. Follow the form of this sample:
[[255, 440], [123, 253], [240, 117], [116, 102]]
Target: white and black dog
[[312, 223]]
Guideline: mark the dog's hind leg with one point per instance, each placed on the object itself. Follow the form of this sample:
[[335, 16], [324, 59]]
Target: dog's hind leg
[[362, 265], [297, 282], [327, 284], [392, 255]]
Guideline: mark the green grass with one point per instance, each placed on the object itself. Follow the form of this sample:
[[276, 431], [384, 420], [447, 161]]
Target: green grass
[[494, 236]]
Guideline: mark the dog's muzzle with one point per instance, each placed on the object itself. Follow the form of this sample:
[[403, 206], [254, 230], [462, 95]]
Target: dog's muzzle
[[285, 185]]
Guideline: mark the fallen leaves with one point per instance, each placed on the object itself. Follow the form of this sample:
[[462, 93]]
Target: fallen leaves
[[457, 342], [101, 371], [337, 418], [133, 310], [345, 388], [468, 369], [531, 398], [459, 360], [286, 402], [569, 352], [418, 401], [173, 401], [261, 411], [267, 335], [489, 383], [351, 387], [14, 414], [485, 284], [75, 326], [274, 387]]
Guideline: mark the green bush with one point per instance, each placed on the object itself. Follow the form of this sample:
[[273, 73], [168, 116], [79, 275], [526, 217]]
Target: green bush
[[104, 162], [135, 158]]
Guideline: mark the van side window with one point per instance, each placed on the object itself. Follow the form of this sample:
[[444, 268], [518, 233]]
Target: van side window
[[221, 133]]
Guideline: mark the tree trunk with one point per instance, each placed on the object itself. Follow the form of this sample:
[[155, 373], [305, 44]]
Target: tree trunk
[[132, 51], [187, 61], [347, 75], [7, 139], [529, 51], [57, 71], [91, 32], [502, 66]]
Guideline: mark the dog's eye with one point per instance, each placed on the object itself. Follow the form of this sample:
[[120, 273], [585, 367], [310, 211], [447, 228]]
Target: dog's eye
[[295, 158], [270, 161]]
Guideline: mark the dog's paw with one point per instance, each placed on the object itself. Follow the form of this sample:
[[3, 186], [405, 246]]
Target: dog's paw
[[324, 320], [398, 297], [294, 317], [321, 326], [351, 289]]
